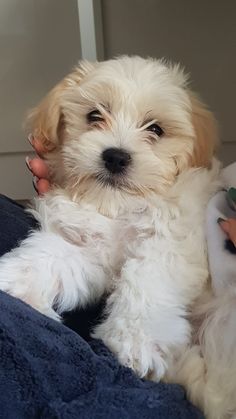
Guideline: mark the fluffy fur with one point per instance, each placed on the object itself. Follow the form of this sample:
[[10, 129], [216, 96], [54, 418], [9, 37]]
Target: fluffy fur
[[137, 236]]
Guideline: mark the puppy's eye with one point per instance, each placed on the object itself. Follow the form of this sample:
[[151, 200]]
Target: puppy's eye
[[94, 116], [156, 129]]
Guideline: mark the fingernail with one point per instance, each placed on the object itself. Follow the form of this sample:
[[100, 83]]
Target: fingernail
[[27, 161], [31, 139], [232, 194], [220, 220], [35, 182]]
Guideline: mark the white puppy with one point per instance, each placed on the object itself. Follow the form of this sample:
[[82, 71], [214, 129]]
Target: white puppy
[[130, 150]]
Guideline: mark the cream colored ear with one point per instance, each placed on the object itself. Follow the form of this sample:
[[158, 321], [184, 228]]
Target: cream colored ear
[[206, 130], [46, 120]]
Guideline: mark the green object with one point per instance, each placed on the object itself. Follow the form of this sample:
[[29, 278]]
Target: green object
[[232, 194], [231, 198]]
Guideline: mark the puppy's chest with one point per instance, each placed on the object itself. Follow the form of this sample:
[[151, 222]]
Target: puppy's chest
[[123, 237], [109, 240], [137, 234], [148, 235]]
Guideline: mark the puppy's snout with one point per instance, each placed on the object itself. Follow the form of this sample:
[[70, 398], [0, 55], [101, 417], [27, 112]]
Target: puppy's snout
[[116, 160]]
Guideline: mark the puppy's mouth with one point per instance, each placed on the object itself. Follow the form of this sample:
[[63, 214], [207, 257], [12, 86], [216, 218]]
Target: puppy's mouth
[[114, 181]]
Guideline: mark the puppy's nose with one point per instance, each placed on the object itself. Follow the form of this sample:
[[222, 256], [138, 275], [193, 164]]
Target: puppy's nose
[[116, 159]]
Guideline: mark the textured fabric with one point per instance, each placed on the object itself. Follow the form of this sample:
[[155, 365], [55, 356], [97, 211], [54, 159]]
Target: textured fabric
[[15, 224], [48, 371], [222, 262]]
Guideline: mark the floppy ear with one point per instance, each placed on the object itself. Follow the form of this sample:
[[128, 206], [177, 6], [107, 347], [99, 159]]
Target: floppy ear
[[46, 121], [206, 133]]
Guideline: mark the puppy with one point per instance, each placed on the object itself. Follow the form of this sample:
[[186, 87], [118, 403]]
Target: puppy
[[130, 150]]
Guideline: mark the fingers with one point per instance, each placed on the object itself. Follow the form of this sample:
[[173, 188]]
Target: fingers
[[232, 230], [229, 228], [43, 186], [38, 167], [224, 225], [37, 145]]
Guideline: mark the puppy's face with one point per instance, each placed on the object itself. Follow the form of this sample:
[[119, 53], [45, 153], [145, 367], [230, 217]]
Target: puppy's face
[[128, 126]]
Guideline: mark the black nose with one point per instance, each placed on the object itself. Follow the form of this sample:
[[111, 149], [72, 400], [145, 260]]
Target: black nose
[[116, 159]]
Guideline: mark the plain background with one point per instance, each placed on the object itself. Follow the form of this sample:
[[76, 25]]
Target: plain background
[[40, 42]]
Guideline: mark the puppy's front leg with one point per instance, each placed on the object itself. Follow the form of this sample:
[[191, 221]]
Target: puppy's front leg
[[144, 323], [48, 272]]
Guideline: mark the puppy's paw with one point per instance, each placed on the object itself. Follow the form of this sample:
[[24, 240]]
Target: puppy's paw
[[20, 280], [134, 350], [8, 275]]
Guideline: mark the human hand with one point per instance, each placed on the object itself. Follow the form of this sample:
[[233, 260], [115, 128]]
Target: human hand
[[229, 228], [38, 167], [229, 225]]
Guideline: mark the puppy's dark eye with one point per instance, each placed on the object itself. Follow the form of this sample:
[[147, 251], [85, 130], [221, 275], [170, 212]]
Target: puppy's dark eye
[[156, 129], [94, 116]]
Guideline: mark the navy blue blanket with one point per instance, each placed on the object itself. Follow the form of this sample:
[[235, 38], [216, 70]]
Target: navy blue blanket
[[48, 371]]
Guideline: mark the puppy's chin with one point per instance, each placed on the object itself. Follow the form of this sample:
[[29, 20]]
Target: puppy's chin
[[113, 195], [109, 195], [114, 182]]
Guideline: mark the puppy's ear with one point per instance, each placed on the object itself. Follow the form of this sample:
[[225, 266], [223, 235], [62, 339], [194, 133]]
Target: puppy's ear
[[46, 121], [206, 133]]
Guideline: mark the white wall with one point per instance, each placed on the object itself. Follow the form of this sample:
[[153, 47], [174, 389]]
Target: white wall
[[39, 44], [199, 34]]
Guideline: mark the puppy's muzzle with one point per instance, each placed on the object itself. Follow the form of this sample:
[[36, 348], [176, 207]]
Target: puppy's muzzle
[[116, 160]]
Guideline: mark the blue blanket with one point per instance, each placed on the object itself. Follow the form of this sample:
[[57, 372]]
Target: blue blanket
[[48, 371]]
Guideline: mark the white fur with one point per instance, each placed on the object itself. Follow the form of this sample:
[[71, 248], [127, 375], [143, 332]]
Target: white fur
[[142, 240], [208, 370]]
